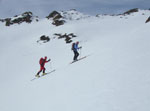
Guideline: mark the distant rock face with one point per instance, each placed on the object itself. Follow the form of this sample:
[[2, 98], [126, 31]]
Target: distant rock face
[[131, 11], [58, 22], [54, 15], [57, 18], [18, 19], [148, 20]]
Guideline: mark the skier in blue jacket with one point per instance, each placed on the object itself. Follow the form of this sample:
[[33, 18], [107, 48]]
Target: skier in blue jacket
[[75, 50]]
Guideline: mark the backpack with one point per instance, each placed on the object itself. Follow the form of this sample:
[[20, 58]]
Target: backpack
[[41, 61], [73, 46]]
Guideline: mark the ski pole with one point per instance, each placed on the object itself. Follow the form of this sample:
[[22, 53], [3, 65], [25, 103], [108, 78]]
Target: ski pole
[[81, 49], [80, 52], [50, 65]]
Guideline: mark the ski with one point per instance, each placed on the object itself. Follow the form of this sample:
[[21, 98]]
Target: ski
[[43, 75], [78, 59]]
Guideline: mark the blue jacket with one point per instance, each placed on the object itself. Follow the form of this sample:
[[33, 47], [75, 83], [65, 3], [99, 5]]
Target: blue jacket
[[75, 47]]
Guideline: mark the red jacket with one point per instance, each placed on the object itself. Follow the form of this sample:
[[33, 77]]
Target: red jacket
[[43, 61]]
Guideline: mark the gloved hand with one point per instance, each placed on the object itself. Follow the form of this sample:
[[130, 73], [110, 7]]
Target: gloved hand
[[49, 60], [80, 47]]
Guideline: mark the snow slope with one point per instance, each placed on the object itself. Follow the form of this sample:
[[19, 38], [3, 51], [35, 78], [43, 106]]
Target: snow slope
[[115, 77]]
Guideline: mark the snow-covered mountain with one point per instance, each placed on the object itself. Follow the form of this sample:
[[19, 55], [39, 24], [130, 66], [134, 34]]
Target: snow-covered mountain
[[115, 77]]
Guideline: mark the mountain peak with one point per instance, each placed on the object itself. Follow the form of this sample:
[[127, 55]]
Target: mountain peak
[[27, 17]]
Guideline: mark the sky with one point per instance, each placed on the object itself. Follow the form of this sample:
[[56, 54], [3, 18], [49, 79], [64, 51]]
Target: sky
[[42, 8]]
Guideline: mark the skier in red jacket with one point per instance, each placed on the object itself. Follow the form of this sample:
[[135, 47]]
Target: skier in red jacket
[[42, 64]]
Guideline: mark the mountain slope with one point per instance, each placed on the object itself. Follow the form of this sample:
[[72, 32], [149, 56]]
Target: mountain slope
[[114, 77]]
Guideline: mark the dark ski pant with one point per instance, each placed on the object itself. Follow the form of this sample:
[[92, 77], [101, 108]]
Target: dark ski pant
[[76, 54], [41, 69]]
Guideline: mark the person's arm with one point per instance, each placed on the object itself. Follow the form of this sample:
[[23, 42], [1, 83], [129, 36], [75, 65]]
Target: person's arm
[[48, 60], [80, 47]]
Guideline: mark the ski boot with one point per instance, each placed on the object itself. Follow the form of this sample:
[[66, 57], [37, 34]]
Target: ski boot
[[37, 75], [43, 74]]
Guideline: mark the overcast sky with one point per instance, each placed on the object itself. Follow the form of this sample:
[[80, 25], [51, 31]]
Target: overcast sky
[[42, 8]]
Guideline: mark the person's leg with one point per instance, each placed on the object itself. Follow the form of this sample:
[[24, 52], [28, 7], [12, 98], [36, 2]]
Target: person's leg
[[40, 71], [76, 54], [37, 75], [44, 70]]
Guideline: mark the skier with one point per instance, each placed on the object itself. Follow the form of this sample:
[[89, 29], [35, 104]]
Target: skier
[[75, 50], [42, 64]]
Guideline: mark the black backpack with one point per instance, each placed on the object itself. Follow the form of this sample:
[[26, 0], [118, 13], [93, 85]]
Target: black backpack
[[73, 46]]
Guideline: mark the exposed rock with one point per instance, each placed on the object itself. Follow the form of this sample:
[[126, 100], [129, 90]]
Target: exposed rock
[[67, 37], [18, 19], [148, 20], [57, 18], [54, 15], [44, 38], [2, 20], [8, 21], [58, 22], [131, 11]]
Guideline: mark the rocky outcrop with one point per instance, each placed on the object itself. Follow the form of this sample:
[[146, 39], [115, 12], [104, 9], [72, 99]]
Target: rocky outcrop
[[18, 19], [148, 20], [59, 18], [58, 22], [56, 17], [67, 37], [131, 11], [44, 39], [2, 20]]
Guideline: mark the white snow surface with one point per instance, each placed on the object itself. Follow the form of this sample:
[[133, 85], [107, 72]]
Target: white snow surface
[[115, 77], [73, 15]]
